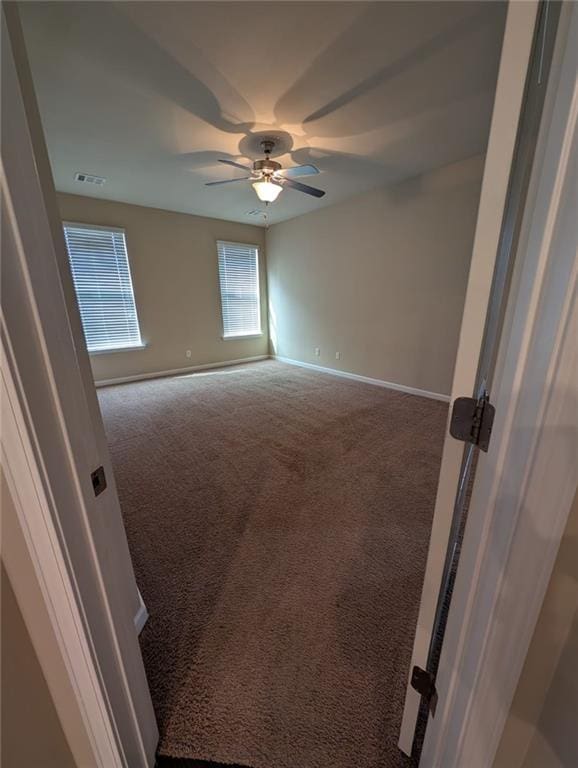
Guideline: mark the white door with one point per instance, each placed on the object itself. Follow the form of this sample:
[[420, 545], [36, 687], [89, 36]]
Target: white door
[[528, 41]]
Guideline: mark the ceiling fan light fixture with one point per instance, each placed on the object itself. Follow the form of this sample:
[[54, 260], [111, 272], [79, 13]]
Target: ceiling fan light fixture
[[268, 177], [267, 191]]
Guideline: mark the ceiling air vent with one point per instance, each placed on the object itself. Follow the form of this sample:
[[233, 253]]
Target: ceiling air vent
[[255, 212], [89, 178]]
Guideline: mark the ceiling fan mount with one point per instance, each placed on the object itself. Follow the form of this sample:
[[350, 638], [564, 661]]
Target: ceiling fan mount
[[268, 145], [268, 177], [267, 166]]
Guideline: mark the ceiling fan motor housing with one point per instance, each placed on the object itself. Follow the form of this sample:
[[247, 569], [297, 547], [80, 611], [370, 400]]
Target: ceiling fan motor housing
[[266, 166], [268, 177]]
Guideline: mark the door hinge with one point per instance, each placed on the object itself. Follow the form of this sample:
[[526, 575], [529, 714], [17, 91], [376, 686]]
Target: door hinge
[[423, 682], [472, 420]]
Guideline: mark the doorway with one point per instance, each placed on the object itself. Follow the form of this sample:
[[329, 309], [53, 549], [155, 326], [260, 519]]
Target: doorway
[[139, 385]]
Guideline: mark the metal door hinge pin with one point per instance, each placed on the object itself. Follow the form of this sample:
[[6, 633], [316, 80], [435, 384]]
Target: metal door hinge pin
[[472, 420]]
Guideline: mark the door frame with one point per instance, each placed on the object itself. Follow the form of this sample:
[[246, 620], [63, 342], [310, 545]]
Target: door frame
[[516, 50], [35, 563], [524, 486], [74, 580]]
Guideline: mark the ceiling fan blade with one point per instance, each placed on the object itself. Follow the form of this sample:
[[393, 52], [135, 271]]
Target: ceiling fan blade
[[299, 170], [237, 165], [226, 181], [303, 188]]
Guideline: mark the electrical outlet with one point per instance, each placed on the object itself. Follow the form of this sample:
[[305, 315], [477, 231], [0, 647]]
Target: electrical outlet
[[188, 353], [317, 351], [338, 355]]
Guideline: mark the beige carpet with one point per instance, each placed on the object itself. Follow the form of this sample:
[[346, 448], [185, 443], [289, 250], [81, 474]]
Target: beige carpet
[[278, 520]]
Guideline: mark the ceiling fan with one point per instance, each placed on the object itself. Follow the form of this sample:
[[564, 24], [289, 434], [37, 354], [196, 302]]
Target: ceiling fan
[[268, 177]]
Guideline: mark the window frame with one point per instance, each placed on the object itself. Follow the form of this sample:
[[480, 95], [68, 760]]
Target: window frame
[[106, 228], [256, 334]]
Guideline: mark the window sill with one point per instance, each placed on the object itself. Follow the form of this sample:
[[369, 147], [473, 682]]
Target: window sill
[[243, 336], [114, 350]]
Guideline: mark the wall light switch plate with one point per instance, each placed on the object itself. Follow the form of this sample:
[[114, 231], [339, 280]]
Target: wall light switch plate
[[188, 353], [317, 351], [338, 355]]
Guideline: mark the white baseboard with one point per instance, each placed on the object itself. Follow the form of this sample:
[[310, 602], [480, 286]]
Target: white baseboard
[[141, 615], [177, 371], [301, 364], [367, 379]]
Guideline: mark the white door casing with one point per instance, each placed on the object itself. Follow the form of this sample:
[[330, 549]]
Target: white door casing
[[516, 48], [525, 486], [50, 367], [46, 594]]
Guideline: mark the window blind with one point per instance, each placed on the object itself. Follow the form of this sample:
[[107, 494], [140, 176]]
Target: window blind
[[101, 275], [239, 281]]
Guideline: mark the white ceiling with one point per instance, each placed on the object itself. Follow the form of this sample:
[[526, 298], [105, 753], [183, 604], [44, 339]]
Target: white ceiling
[[150, 94]]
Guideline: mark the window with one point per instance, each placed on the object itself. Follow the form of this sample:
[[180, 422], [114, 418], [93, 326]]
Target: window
[[101, 275], [239, 280]]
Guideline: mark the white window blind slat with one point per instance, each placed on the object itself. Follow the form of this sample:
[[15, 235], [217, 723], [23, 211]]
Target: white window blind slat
[[239, 282], [101, 275]]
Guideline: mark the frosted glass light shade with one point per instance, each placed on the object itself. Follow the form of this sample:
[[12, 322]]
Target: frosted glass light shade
[[267, 191]]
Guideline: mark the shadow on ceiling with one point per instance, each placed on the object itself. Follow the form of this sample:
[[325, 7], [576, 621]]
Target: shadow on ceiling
[[422, 41], [396, 61]]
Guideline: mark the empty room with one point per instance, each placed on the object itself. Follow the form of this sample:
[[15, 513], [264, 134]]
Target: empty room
[[267, 215], [277, 515]]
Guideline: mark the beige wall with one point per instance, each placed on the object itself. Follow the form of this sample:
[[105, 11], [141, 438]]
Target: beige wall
[[32, 736], [380, 278], [542, 727], [173, 260]]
